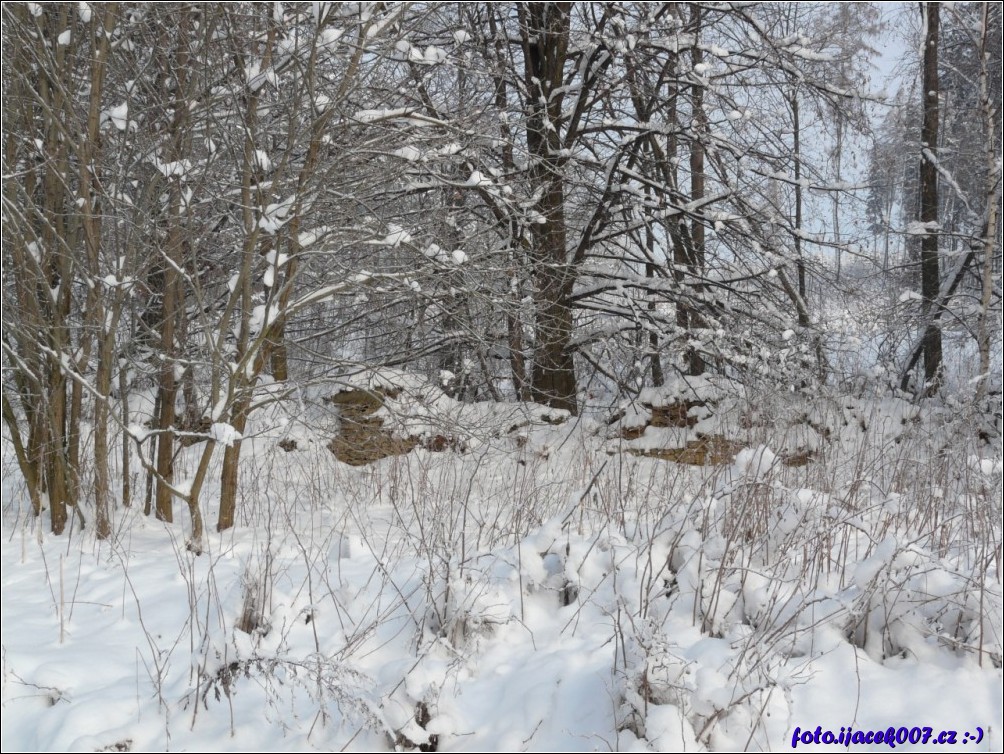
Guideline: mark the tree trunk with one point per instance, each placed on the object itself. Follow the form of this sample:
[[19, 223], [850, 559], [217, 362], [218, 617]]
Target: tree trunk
[[106, 310], [59, 268], [168, 389], [229, 475], [930, 267], [517, 359], [695, 265], [174, 297], [545, 28], [992, 126], [803, 313]]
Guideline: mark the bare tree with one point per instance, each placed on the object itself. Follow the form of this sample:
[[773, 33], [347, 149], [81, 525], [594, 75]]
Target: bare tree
[[990, 20], [930, 259]]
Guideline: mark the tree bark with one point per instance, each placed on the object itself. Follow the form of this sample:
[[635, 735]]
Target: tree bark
[[104, 319], [991, 124], [695, 264], [930, 266], [545, 28], [174, 297]]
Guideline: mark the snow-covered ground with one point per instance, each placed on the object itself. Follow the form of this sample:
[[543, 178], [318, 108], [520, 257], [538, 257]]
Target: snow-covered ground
[[547, 590]]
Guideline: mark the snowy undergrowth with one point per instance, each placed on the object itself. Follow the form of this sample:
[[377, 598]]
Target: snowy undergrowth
[[549, 594]]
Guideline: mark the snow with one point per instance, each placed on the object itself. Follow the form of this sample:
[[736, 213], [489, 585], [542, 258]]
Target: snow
[[138, 432], [396, 236], [529, 594], [404, 113], [714, 563], [224, 434], [175, 168], [218, 408], [478, 178], [276, 258], [434, 251], [275, 215], [308, 238], [118, 116], [918, 228], [256, 78], [434, 55], [409, 153], [329, 36], [683, 388], [275, 262], [807, 54], [372, 116], [261, 317]]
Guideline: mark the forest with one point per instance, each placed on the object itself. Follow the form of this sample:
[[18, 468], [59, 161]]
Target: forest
[[501, 376]]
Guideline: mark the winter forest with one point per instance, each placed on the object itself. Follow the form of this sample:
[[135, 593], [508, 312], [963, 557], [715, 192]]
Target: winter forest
[[533, 376]]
